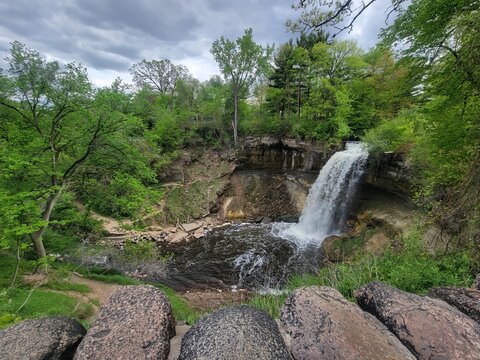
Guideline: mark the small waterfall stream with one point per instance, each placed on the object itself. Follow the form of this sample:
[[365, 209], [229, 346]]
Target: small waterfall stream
[[262, 257], [329, 199]]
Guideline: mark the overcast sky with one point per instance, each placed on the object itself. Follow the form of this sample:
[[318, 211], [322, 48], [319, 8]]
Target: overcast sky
[[108, 36]]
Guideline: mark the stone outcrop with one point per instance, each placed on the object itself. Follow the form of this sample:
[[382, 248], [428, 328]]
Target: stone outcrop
[[270, 153], [135, 323], [321, 324], [465, 300], [429, 328], [54, 337], [259, 194], [391, 172], [238, 332]]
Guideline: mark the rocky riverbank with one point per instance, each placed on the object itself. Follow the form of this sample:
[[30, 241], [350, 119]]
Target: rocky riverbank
[[315, 323]]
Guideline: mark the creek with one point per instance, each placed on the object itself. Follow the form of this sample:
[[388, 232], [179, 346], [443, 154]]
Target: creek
[[262, 257]]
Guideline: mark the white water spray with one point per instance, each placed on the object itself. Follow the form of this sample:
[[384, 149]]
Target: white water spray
[[327, 204]]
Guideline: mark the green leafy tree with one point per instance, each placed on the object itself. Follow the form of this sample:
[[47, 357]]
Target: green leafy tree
[[50, 131], [242, 62]]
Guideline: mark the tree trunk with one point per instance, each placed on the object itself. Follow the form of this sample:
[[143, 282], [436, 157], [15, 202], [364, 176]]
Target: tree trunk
[[235, 117], [38, 244], [47, 213]]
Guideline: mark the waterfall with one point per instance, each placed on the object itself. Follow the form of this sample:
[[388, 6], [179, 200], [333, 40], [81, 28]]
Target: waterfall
[[326, 208]]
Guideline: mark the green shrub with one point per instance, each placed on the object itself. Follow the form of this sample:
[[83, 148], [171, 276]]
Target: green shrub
[[60, 243], [395, 134], [122, 196]]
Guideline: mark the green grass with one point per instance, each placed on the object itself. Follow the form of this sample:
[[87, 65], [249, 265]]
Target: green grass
[[41, 303], [180, 307], [269, 303], [66, 286]]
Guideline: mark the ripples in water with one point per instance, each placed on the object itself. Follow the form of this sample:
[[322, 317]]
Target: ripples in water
[[242, 256]]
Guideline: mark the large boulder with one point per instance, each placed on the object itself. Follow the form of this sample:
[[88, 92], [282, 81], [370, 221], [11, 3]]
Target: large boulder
[[321, 324], [55, 337], [476, 282], [465, 300], [234, 333], [135, 323], [430, 328]]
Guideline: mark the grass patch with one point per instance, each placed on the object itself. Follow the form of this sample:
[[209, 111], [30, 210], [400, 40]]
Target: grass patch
[[269, 303], [66, 286], [180, 307], [41, 303]]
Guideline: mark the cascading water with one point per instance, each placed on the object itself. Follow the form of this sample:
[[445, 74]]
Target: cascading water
[[261, 256], [326, 208]]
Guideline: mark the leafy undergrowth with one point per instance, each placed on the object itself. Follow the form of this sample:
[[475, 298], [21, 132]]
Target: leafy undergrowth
[[27, 301], [412, 269]]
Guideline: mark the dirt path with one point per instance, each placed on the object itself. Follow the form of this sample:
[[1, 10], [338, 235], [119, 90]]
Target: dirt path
[[99, 291], [96, 297], [206, 301], [111, 225]]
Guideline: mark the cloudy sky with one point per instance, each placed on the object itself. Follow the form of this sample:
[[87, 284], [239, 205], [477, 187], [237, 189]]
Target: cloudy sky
[[108, 36]]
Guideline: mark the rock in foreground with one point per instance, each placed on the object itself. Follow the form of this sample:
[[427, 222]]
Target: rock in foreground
[[322, 324], [465, 300], [430, 328], [135, 323], [234, 333], [54, 337]]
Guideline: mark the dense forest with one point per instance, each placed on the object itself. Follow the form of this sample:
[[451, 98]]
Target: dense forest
[[416, 92]]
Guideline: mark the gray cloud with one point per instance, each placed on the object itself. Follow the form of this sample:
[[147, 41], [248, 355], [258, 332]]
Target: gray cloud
[[108, 36]]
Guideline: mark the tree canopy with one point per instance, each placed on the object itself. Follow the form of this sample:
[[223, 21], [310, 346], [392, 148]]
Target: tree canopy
[[242, 62]]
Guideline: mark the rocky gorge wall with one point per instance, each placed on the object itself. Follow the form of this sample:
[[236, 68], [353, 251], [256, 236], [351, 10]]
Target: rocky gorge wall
[[390, 172], [272, 178], [265, 177], [282, 154]]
